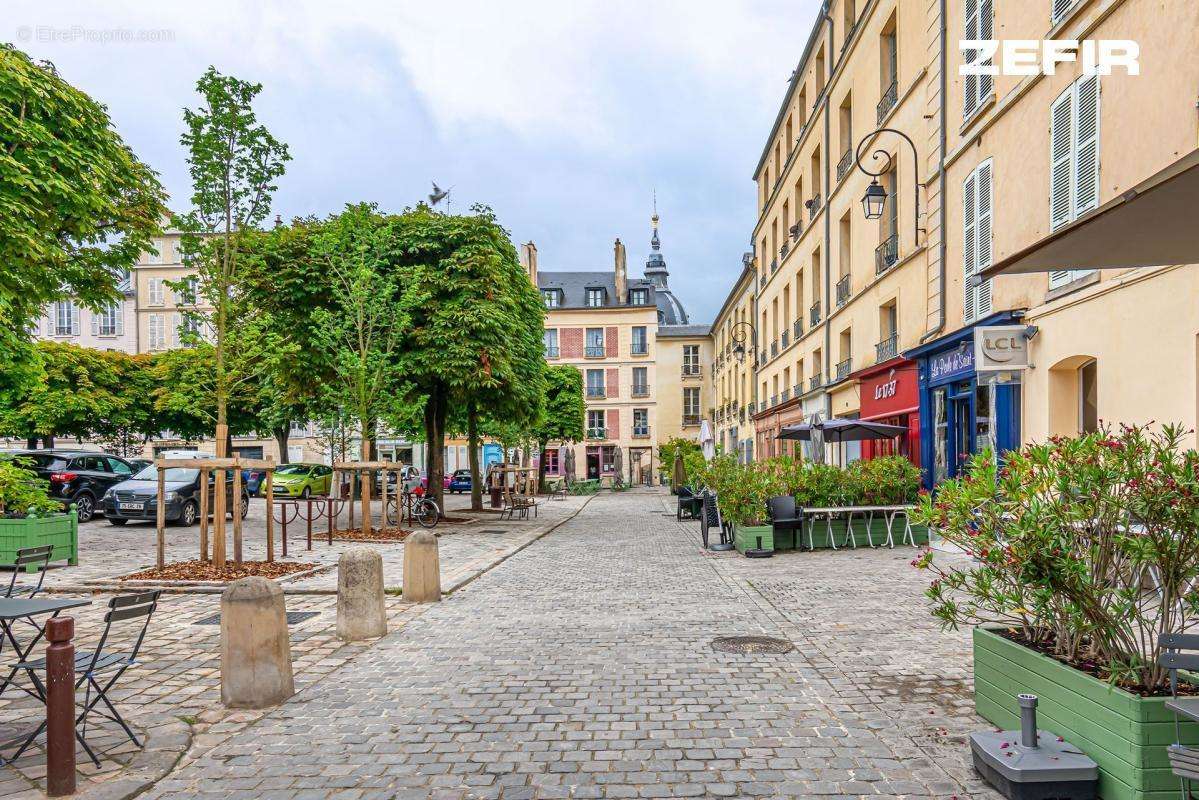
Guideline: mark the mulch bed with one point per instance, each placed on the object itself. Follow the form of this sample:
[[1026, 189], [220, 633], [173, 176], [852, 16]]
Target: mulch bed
[[376, 535], [206, 571]]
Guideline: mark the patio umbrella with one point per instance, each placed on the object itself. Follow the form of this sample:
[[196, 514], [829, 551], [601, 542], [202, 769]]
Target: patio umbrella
[[817, 440], [842, 430], [570, 464], [617, 461], [707, 441], [678, 478]]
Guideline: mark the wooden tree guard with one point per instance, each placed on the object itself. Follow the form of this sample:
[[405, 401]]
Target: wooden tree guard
[[364, 469], [216, 467]]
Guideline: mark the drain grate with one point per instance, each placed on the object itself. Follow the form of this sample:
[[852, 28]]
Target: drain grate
[[293, 618], [493, 530], [752, 644]]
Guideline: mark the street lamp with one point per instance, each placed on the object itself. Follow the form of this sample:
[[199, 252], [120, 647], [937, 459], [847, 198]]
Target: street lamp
[[739, 333], [875, 199]]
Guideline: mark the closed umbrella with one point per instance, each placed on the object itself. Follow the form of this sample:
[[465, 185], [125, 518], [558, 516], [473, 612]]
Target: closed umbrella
[[707, 441], [817, 440], [617, 462], [678, 478], [570, 465]]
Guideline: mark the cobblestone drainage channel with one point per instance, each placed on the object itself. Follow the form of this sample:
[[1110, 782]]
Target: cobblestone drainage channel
[[767, 645], [293, 618]]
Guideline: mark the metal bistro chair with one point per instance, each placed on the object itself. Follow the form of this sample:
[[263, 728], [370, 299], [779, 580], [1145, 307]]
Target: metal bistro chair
[[784, 517], [1184, 760], [709, 517], [690, 504], [95, 666], [29, 557]]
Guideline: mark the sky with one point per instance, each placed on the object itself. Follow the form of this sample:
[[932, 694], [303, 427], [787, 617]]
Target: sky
[[565, 118]]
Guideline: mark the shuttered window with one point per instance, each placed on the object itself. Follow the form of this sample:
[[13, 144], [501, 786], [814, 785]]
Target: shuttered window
[[1074, 161], [109, 321], [157, 331], [155, 290], [977, 205], [66, 318], [980, 25]]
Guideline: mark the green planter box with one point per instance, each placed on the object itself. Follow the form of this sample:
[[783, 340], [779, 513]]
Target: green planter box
[[745, 537], [60, 530], [863, 534], [1125, 734]]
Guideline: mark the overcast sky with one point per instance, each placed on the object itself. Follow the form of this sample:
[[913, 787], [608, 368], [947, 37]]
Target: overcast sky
[[564, 117]]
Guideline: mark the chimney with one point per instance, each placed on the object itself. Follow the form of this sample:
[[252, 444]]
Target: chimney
[[622, 275], [528, 260]]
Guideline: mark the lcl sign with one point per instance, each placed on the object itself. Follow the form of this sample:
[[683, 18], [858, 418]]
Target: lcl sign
[[1000, 348]]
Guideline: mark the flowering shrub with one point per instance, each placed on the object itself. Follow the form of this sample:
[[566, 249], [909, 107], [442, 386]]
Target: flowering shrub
[[23, 493], [885, 481], [1087, 546]]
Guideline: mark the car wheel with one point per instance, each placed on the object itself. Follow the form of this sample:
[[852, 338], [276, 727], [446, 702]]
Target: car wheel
[[306, 493], [189, 514], [116, 521], [85, 507]]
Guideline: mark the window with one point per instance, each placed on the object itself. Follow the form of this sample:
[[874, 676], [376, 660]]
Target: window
[[640, 343], [641, 422], [550, 339], [595, 298], [595, 343], [154, 288], [1074, 160], [691, 405], [849, 14], [158, 251], [595, 383], [66, 318], [549, 457], [595, 423], [1060, 7], [608, 458], [551, 297], [640, 381], [108, 321], [187, 329], [977, 199], [888, 70], [639, 297], [1088, 397], [157, 331], [980, 21], [691, 359], [189, 291], [118, 467]]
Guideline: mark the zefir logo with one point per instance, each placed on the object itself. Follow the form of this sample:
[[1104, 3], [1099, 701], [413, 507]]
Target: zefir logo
[[1041, 57]]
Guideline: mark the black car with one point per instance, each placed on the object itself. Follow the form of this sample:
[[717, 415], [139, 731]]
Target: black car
[[78, 477], [137, 498]]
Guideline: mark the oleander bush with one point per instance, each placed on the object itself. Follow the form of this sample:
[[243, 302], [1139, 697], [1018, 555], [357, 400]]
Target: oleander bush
[[1086, 548], [22, 493]]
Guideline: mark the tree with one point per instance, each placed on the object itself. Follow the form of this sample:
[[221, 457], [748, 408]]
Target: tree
[[562, 420], [184, 400], [234, 162], [76, 205], [476, 323]]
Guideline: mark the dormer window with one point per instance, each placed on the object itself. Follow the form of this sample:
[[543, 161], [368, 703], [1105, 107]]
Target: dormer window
[[552, 297], [638, 297], [595, 298]]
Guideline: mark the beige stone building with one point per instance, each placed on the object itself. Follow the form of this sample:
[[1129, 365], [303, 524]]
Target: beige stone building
[[646, 368], [734, 383]]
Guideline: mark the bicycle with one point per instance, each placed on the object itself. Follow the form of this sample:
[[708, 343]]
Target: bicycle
[[416, 508]]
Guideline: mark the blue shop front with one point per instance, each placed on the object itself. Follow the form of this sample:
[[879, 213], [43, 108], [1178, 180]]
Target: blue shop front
[[962, 412]]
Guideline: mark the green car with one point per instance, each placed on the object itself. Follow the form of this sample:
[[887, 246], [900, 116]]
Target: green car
[[302, 480]]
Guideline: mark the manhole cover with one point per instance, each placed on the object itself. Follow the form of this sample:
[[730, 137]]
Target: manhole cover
[[752, 644], [293, 618]]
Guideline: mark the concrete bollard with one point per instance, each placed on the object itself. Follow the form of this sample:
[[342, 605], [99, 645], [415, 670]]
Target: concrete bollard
[[255, 651], [360, 611], [422, 568]]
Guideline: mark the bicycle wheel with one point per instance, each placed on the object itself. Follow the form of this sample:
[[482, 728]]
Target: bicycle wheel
[[426, 512], [392, 512]]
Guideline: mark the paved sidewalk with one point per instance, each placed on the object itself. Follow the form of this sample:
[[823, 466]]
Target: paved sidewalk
[[582, 667]]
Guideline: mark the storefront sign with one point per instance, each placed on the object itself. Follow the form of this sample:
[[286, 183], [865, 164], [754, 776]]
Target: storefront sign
[[951, 364], [1001, 348], [891, 392]]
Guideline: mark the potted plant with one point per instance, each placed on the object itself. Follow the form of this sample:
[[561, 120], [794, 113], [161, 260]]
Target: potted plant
[[742, 491], [885, 481], [29, 517], [1085, 550]]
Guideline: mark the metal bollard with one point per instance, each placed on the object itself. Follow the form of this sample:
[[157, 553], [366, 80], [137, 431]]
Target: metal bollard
[[60, 707]]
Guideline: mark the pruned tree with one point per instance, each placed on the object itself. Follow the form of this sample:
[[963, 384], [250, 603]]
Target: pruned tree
[[564, 410]]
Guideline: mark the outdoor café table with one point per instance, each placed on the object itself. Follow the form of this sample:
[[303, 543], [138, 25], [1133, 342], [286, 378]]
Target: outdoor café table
[[890, 515], [13, 610]]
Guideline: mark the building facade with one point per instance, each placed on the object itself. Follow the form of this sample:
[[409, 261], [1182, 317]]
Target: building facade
[[733, 375]]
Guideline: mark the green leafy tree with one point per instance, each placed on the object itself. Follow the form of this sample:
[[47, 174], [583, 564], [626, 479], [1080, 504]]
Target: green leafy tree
[[184, 400], [76, 205], [234, 162], [564, 410]]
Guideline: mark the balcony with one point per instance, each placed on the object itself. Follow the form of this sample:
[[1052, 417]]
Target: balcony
[[843, 369], [786, 248], [797, 390], [764, 358], [640, 431], [886, 254], [886, 349], [774, 348], [844, 165], [774, 265], [596, 392], [774, 400], [640, 390], [814, 206], [690, 420], [784, 339], [597, 433], [842, 291], [815, 382], [692, 371], [889, 99], [785, 395], [552, 352], [814, 313], [762, 280], [593, 352], [797, 329], [795, 230], [639, 349]]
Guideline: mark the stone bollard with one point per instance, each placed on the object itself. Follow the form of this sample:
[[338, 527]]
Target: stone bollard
[[360, 611], [255, 651], [422, 568]]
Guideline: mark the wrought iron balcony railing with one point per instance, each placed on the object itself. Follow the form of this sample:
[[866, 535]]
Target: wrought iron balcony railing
[[843, 368], [639, 348], [845, 164], [887, 102], [552, 352], [814, 206], [596, 392], [692, 370], [690, 420], [593, 352], [814, 313], [797, 328], [597, 433], [640, 390], [842, 291], [815, 382], [887, 348], [784, 339], [886, 254]]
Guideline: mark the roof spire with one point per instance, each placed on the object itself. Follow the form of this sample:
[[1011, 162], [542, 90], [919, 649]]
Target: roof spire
[[655, 265], [654, 242]]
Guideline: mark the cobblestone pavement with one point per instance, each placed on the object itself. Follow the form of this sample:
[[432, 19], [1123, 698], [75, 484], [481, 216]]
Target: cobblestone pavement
[[582, 667]]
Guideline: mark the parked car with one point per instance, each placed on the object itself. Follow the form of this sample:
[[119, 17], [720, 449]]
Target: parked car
[[137, 498], [459, 481], [445, 481], [302, 480], [78, 477], [138, 464]]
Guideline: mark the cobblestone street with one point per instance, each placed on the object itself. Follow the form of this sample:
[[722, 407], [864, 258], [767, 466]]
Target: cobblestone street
[[582, 667]]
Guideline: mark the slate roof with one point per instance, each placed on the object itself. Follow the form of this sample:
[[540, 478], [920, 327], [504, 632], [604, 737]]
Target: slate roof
[[574, 286], [684, 330]]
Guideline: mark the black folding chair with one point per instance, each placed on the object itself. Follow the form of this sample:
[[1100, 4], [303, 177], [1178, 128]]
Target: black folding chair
[[690, 505], [27, 557], [89, 666], [785, 518]]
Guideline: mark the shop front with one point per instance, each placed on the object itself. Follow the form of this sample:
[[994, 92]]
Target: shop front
[[844, 404], [815, 408], [890, 394], [962, 411]]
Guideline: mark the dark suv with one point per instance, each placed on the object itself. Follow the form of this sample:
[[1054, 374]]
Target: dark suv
[[137, 498], [77, 477]]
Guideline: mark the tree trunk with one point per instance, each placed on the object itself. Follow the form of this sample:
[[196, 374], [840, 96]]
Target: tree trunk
[[48, 442], [472, 443], [435, 412], [281, 437], [366, 490], [31, 443], [541, 466]]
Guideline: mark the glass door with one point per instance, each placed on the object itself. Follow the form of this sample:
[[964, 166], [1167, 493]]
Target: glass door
[[961, 423]]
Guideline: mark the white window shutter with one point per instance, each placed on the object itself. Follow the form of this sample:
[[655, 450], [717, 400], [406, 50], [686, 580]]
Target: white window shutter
[[120, 312], [1086, 148], [74, 320], [970, 98], [982, 302], [986, 30], [95, 318], [969, 243], [1061, 141]]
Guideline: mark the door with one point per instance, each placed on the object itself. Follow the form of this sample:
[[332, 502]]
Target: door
[[961, 424], [593, 464]]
